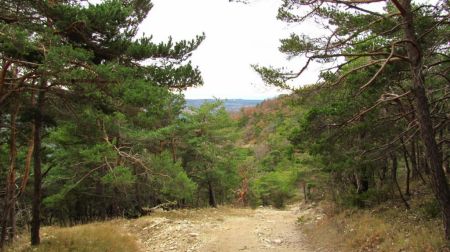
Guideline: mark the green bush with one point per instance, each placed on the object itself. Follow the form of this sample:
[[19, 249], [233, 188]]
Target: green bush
[[176, 185], [274, 188], [365, 199], [120, 176], [430, 209]]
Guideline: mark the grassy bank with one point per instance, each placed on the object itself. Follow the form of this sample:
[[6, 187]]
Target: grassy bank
[[385, 228], [94, 237]]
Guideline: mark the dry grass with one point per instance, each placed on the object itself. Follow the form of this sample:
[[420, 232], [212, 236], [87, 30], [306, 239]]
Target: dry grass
[[112, 236], [101, 236], [382, 229]]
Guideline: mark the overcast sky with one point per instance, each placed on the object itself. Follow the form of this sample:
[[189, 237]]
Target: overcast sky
[[237, 35]]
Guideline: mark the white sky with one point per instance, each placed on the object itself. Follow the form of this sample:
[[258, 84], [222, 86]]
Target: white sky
[[237, 35]]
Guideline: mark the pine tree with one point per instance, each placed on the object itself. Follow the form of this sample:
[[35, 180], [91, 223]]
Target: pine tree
[[407, 36], [59, 53]]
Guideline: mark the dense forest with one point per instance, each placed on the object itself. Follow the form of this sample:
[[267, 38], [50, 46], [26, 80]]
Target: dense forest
[[94, 124], [384, 96]]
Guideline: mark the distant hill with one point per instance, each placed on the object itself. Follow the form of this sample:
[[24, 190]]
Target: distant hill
[[231, 105]]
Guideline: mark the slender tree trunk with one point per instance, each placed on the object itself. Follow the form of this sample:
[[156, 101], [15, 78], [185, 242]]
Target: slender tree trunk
[[3, 73], [394, 179], [446, 166], [198, 198], [438, 179], [408, 175], [37, 168], [445, 157], [28, 158], [12, 204], [137, 191], [212, 196], [10, 180], [103, 206], [408, 170], [413, 157], [358, 182], [417, 162], [383, 171], [305, 193], [12, 233], [4, 228], [362, 183], [426, 167]]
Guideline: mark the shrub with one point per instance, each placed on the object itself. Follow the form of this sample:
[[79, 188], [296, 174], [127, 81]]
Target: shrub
[[274, 188], [369, 198], [430, 209]]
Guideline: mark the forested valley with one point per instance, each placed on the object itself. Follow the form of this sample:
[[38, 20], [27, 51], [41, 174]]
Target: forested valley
[[94, 129]]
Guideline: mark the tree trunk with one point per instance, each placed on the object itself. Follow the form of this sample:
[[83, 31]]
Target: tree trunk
[[419, 164], [408, 170], [28, 158], [137, 191], [37, 169], [3, 74], [305, 193], [438, 179], [439, 182], [394, 179], [446, 166], [12, 203], [383, 171], [212, 197], [415, 169], [13, 223], [362, 184], [10, 180]]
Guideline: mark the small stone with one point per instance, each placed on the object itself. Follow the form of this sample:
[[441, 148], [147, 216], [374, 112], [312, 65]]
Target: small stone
[[194, 234], [277, 241]]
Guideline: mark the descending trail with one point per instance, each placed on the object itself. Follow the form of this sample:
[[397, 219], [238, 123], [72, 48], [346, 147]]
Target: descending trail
[[262, 230], [223, 229]]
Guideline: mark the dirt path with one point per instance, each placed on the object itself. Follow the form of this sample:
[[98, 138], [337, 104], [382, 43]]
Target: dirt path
[[222, 229]]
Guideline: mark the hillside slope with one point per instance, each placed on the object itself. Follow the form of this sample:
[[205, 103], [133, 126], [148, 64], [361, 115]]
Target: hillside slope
[[232, 105]]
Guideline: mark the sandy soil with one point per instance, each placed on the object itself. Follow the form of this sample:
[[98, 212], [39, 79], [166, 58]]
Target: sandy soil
[[222, 229]]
